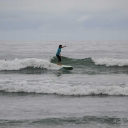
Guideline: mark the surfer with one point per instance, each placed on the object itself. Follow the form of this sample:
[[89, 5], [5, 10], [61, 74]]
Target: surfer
[[58, 54]]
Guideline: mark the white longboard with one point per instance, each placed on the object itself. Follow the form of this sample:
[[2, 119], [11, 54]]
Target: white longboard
[[68, 67]]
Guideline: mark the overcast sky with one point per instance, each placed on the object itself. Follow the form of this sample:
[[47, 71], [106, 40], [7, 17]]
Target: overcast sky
[[63, 20]]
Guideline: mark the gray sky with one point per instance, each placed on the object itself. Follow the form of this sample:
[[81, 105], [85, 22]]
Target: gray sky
[[63, 20]]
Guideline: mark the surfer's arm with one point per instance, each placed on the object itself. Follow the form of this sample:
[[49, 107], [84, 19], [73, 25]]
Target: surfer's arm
[[63, 46]]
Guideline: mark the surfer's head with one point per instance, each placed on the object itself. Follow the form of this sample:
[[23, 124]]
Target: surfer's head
[[60, 46]]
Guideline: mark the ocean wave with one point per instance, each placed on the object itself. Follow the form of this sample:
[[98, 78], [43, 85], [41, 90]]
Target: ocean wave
[[18, 64], [67, 120], [80, 66], [92, 61], [64, 88], [94, 65], [110, 61]]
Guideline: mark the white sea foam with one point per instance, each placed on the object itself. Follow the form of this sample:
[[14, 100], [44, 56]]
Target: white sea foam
[[18, 64], [110, 61], [64, 88]]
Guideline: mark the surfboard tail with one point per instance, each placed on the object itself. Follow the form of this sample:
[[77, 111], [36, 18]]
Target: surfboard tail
[[68, 67]]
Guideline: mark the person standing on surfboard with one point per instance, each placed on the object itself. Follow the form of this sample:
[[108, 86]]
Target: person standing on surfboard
[[58, 54]]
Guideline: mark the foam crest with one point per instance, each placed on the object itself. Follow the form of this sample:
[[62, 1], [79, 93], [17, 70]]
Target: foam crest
[[65, 88], [18, 64], [110, 61]]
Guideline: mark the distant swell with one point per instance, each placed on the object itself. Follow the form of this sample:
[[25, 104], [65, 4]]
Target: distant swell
[[66, 120]]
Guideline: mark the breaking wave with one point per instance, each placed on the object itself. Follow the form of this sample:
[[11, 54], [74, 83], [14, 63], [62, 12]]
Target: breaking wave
[[19, 64], [63, 88], [111, 62], [80, 66], [94, 61]]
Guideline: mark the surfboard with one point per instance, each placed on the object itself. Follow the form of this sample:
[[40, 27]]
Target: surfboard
[[68, 67]]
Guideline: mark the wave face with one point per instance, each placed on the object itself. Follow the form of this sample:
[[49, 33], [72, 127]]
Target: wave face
[[109, 62], [97, 65]]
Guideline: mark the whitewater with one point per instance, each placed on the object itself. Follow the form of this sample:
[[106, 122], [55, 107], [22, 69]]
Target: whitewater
[[67, 87], [36, 92]]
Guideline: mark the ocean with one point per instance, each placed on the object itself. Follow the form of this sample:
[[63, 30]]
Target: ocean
[[35, 92]]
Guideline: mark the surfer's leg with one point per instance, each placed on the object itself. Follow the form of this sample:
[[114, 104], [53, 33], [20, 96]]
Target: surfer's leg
[[59, 60]]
